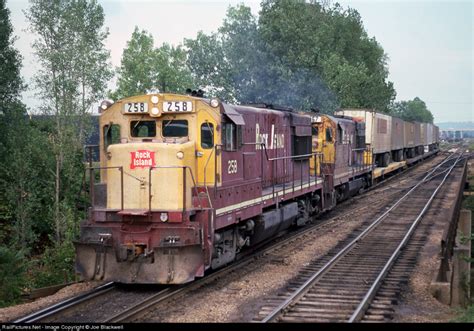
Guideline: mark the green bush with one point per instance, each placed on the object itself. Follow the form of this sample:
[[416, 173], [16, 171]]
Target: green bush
[[12, 276], [468, 203], [466, 315], [56, 266]]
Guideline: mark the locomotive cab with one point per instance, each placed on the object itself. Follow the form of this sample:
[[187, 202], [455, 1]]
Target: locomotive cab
[[341, 141], [155, 151]]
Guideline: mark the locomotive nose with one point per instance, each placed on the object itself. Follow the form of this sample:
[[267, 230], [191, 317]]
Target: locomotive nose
[[156, 176]]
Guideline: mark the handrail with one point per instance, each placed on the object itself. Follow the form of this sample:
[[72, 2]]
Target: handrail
[[215, 172], [184, 185], [263, 149], [359, 166], [92, 191], [297, 158], [91, 181]]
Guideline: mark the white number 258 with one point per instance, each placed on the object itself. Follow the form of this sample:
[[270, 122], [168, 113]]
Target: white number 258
[[232, 167]]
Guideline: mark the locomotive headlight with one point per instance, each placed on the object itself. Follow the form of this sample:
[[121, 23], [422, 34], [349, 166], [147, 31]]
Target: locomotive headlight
[[155, 110], [180, 155], [154, 99], [164, 217], [214, 103]]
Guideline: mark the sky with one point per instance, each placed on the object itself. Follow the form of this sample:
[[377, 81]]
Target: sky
[[429, 43]]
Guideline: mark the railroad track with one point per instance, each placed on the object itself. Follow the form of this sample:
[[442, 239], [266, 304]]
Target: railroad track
[[358, 275], [62, 311], [66, 304]]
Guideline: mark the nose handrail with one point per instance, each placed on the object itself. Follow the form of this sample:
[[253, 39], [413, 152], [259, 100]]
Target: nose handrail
[[184, 185], [92, 182]]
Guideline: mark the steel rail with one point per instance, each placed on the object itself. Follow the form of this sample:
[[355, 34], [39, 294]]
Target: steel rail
[[364, 304], [145, 304], [306, 285], [63, 305]]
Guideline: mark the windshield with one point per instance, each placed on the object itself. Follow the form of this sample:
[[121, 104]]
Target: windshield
[[175, 128]]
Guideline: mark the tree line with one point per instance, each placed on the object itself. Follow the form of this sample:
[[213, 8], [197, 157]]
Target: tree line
[[305, 55]]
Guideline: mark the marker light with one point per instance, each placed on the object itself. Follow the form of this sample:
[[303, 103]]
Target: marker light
[[105, 104], [214, 103], [154, 99], [180, 155], [164, 217], [155, 111]]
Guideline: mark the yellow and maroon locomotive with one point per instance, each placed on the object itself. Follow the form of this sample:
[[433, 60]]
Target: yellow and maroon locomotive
[[186, 183]]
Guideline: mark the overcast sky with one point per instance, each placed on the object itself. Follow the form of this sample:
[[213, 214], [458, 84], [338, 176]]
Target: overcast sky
[[429, 43]]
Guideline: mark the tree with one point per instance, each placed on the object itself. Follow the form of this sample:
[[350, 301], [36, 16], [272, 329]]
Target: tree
[[74, 70], [332, 44], [12, 112], [21, 171], [300, 54], [145, 68], [12, 276], [412, 110], [136, 72], [171, 71], [11, 83], [210, 70]]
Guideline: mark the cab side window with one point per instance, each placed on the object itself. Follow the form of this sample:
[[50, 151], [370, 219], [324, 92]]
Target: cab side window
[[328, 135], [207, 135], [111, 135], [229, 134], [340, 135]]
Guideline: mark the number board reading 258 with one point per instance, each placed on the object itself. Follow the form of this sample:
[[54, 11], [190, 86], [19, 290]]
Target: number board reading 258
[[177, 106], [136, 107]]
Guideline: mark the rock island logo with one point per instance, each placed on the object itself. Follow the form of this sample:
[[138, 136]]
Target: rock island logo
[[142, 159]]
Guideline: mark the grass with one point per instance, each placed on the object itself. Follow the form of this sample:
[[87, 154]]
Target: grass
[[466, 315]]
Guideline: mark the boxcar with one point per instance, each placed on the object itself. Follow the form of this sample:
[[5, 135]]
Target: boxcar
[[435, 134], [418, 139], [397, 141], [378, 128]]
